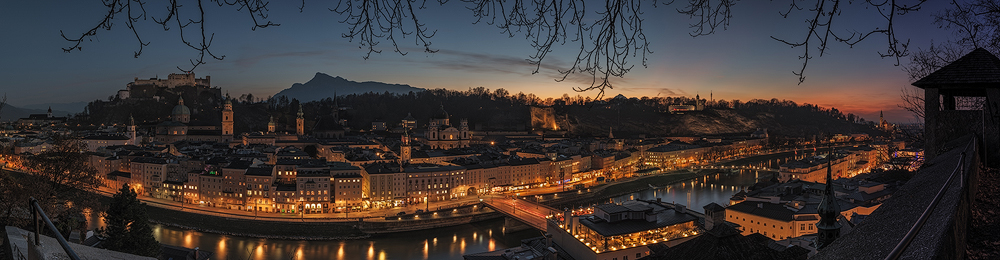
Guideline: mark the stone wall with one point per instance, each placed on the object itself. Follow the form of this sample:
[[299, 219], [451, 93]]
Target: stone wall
[[943, 234]]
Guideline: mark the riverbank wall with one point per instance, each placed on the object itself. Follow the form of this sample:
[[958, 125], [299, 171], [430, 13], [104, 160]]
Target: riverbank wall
[[311, 229]]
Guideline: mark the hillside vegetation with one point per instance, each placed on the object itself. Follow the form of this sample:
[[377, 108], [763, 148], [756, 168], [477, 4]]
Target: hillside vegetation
[[501, 110]]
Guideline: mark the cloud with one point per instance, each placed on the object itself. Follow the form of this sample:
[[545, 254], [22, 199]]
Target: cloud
[[254, 58], [502, 64]]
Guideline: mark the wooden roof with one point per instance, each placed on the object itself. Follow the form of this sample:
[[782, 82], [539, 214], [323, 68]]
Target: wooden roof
[[979, 67]]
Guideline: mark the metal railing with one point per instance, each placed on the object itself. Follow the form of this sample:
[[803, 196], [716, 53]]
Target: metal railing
[[36, 210], [905, 242]]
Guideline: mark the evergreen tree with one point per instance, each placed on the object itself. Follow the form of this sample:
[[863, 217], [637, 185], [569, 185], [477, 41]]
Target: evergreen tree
[[127, 229]]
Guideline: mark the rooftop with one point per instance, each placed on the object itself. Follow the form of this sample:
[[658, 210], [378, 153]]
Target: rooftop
[[664, 218], [978, 67]]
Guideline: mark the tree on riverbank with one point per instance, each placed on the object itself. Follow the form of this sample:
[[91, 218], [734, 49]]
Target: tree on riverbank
[[127, 229]]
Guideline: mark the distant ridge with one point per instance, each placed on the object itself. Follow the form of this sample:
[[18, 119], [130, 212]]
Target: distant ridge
[[72, 107], [323, 86], [11, 113]]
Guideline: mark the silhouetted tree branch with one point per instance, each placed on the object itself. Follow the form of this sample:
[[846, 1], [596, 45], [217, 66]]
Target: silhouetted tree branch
[[821, 30], [135, 11], [609, 39], [370, 20], [913, 102], [975, 24], [710, 15]]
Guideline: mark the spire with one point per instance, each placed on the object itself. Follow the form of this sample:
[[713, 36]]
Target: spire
[[131, 121], [828, 209], [180, 101], [300, 111], [611, 135]]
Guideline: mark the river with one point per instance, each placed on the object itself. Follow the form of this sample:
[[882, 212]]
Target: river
[[442, 243], [718, 188]]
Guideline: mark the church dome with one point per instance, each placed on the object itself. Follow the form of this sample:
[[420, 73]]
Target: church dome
[[441, 114], [181, 109]]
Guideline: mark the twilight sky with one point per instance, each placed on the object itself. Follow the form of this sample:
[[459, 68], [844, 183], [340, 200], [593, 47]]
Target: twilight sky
[[742, 62]]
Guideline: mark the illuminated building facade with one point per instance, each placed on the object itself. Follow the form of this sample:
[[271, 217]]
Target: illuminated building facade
[[775, 221], [260, 193], [622, 231]]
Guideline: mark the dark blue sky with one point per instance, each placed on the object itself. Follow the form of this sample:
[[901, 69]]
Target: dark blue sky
[[742, 62]]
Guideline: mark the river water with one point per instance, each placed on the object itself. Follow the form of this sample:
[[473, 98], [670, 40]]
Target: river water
[[718, 188], [451, 242], [442, 243]]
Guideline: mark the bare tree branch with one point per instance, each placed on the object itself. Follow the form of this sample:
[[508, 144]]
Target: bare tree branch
[[709, 15], [821, 29], [608, 39], [135, 11], [913, 102], [370, 20]]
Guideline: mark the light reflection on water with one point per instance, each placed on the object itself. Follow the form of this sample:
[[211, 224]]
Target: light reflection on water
[[699, 192], [424, 244], [466, 239], [718, 188]]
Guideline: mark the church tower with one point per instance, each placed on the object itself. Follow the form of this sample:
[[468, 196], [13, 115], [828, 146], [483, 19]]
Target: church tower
[[227, 118], [828, 209], [131, 130], [270, 126], [404, 148], [300, 123], [50, 112], [463, 129]]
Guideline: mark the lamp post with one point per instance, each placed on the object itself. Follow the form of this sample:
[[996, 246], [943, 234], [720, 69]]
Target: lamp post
[[254, 208], [513, 205]]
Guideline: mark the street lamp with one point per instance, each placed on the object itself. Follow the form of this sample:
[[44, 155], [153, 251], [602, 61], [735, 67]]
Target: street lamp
[[513, 205]]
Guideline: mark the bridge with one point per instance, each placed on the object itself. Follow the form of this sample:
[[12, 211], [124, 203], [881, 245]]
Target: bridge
[[733, 167], [530, 213]]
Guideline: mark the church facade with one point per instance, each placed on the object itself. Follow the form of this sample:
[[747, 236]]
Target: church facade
[[441, 134], [180, 127]]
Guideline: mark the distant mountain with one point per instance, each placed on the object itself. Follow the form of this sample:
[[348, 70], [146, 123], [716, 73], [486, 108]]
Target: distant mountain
[[323, 86], [72, 107], [11, 113]]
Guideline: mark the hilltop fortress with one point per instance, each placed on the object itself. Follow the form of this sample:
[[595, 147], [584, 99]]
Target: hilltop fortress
[[174, 80], [149, 88]]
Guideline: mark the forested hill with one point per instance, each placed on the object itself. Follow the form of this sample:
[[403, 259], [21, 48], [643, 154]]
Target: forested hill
[[500, 110]]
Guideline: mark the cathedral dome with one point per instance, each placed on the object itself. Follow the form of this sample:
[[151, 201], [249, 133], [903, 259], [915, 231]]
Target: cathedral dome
[[181, 109], [440, 114]]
